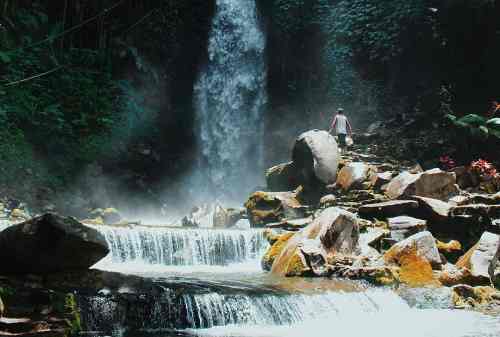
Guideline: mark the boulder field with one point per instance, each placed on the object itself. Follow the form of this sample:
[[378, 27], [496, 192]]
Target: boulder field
[[362, 216]]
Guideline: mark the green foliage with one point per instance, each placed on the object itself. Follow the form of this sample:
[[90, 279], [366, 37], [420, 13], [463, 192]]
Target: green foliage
[[58, 108], [476, 126]]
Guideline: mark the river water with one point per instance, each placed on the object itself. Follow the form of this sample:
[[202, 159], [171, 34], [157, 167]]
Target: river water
[[225, 293]]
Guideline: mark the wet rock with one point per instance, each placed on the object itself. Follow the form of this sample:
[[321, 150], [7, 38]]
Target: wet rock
[[388, 209], [335, 231], [352, 175], [315, 156], [482, 260], [434, 184], [200, 216], [111, 216], [282, 177], [270, 207], [227, 217], [383, 275], [107, 216], [277, 245], [50, 243], [486, 299], [421, 244], [328, 201], [402, 227]]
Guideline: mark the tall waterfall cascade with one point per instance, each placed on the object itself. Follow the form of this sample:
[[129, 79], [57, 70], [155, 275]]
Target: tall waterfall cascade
[[230, 98]]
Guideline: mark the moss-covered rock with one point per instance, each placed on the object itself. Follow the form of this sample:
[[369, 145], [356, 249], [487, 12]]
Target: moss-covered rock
[[277, 245], [268, 207], [485, 299]]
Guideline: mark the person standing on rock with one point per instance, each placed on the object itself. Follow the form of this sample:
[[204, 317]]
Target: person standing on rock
[[342, 127]]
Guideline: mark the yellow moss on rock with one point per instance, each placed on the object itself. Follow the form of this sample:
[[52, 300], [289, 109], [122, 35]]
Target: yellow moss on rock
[[296, 266], [464, 296], [450, 247], [415, 270], [275, 250]]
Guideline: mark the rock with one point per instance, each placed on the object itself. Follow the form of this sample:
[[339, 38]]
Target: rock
[[282, 177], [388, 209], [402, 227], [271, 236], [421, 244], [378, 180], [352, 175], [433, 209], [464, 177], [434, 184], [200, 216], [335, 231], [371, 239], [111, 216], [277, 244], [328, 201], [482, 260], [268, 207], [480, 298], [291, 225], [227, 217], [50, 243], [477, 211], [18, 215], [316, 158], [383, 275], [450, 247], [451, 275]]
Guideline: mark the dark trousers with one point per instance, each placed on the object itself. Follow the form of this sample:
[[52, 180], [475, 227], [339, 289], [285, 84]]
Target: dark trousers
[[342, 142]]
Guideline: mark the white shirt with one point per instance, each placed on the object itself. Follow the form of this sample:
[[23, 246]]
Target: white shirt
[[341, 126]]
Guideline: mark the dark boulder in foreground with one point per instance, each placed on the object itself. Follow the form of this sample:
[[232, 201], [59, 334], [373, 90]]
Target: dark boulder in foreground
[[50, 243]]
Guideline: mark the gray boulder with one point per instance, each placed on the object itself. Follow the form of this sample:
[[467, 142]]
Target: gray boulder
[[316, 157], [403, 227], [434, 183], [483, 259], [50, 243]]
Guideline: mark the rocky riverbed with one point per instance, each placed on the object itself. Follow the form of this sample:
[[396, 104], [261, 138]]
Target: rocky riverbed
[[326, 228]]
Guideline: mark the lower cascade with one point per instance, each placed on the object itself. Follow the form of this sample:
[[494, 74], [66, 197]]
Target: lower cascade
[[373, 311]]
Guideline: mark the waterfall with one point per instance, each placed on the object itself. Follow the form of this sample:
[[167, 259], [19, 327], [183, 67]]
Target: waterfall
[[375, 312], [142, 246], [230, 95]]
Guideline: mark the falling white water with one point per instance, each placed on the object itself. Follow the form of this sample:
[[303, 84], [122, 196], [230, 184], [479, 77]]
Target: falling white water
[[374, 312], [148, 249], [230, 96]]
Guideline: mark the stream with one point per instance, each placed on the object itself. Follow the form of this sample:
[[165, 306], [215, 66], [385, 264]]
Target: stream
[[211, 284]]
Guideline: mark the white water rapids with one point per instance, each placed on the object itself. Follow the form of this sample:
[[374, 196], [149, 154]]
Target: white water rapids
[[232, 309]]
